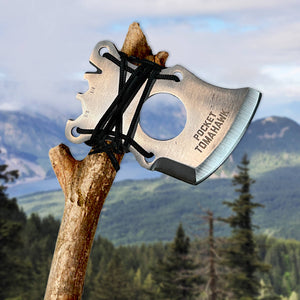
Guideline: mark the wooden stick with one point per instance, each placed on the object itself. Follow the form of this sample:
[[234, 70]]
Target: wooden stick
[[85, 185]]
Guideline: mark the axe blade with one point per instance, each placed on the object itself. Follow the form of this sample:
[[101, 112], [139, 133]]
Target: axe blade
[[217, 119], [233, 136]]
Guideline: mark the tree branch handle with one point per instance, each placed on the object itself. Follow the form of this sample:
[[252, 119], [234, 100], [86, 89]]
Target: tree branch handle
[[85, 185]]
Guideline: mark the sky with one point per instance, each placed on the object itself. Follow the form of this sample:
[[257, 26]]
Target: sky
[[45, 47]]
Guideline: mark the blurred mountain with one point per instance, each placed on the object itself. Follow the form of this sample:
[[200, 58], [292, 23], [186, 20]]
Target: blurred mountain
[[270, 143], [149, 210], [25, 140], [138, 211]]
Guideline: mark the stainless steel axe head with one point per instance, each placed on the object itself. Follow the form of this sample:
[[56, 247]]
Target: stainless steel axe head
[[216, 118]]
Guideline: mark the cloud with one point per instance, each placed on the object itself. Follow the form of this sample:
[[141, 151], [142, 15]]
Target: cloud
[[45, 45]]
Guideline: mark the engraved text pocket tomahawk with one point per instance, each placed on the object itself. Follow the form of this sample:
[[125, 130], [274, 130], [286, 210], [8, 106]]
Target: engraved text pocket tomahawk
[[216, 120]]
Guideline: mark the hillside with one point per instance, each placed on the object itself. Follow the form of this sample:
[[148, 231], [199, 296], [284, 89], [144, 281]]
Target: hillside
[[25, 140], [271, 143], [24, 144], [150, 210]]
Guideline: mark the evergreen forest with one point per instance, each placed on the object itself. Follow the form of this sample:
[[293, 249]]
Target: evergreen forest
[[186, 268]]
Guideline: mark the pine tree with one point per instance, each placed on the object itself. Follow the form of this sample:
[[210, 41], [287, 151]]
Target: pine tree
[[114, 284], [137, 288], [241, 254], [39, 237], [267, 292], [213, 278], [11, 222], [176, 274], [150, 290]]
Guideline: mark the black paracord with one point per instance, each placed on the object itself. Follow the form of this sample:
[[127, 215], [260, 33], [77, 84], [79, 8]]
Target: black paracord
[[107, 135]]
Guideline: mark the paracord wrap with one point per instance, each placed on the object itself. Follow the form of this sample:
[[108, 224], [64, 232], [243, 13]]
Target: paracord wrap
[[108, 136]]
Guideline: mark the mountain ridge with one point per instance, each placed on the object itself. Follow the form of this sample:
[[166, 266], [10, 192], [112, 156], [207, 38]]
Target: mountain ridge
[[25, 140], [150, 210]]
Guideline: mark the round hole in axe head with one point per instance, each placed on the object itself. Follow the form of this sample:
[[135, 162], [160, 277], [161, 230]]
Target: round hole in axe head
[[163, 116]]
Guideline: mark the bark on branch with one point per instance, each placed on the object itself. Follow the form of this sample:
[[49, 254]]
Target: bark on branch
[[85, 185]]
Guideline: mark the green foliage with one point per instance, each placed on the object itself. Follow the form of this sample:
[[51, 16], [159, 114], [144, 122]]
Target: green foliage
[[176, 275], [263, 162], [294, 296], [150, 210], [26, 247], [267, 292], [28, 244], [114, 284], [284, 256], [39, 242], [240, 255], [133, 262], [11, 222], [134, 268], [31, 258]]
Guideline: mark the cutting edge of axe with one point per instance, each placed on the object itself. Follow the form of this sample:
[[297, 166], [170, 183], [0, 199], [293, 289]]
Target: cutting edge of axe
[[233, 137], [195, 175], [220, 154]]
